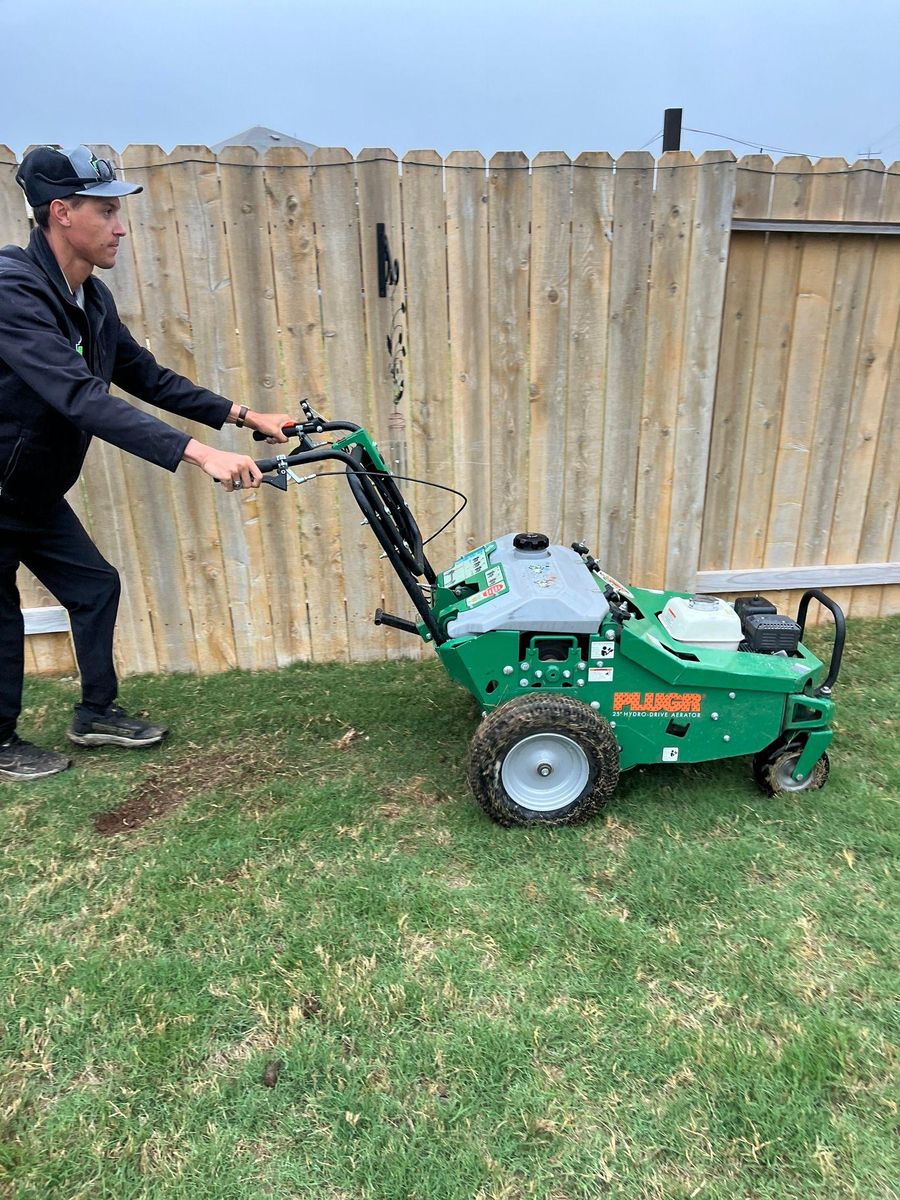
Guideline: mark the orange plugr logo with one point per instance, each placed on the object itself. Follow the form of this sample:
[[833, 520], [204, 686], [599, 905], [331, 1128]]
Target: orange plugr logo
[[653, 702]]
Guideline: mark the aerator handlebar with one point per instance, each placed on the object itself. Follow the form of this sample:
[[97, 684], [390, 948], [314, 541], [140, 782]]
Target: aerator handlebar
[[377, 495]]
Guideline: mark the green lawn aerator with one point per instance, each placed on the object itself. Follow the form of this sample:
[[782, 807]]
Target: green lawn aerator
[[579, 677]]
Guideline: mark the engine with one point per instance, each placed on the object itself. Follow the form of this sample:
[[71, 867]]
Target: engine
[[765, 630]]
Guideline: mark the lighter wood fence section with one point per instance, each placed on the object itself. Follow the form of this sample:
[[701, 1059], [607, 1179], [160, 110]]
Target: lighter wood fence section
[[591, 351], [805, 428]]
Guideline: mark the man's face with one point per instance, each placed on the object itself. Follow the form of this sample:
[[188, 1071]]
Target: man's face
[[94, 230]]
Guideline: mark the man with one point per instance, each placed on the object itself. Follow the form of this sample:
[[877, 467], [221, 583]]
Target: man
[[61, 346]]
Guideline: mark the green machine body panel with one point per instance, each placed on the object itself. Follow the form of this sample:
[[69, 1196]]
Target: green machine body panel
[[667, 701]]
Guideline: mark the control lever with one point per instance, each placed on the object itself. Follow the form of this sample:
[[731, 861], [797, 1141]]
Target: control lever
[[590, 562]]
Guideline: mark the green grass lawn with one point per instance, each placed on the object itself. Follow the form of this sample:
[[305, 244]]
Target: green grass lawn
[[285, 955]]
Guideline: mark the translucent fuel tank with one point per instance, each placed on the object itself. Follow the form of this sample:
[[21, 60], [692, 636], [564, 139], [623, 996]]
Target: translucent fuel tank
[[548, 589]]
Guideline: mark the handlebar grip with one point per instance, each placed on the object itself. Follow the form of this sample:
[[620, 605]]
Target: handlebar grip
[[290, 430]]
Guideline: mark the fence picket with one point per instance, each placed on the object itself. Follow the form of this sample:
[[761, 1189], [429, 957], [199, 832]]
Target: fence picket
[[676, 188], [509, 214], [880, 366], [592, 223], [551, 220], [378, 182], [873, 265], [304, 531], [632, 214], [337, 232], [153, 494], [424, 268], [805, 367], [470, 357], [734, 383], [716, 177], [780, 266]]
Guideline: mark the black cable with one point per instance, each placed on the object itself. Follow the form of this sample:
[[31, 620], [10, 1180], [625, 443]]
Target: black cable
[[655, 138], [576, 166], [442, 487], [741, 142]]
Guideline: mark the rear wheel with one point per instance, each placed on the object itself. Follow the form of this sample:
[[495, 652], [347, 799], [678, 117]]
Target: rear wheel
[[543, 759], [773, 770]]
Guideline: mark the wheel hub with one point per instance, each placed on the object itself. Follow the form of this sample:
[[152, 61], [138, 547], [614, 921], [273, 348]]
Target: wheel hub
[[545, 772]]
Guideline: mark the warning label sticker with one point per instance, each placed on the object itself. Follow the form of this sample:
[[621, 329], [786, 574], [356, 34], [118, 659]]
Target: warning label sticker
[[603, 650], [473, 564], [670, 754], [600, 674], [495, 585]]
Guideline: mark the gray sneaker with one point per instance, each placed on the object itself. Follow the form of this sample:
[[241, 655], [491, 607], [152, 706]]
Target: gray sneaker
[[20, 761], [114, 728]]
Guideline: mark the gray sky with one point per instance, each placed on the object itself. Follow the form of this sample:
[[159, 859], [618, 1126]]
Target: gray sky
[[818, 77]]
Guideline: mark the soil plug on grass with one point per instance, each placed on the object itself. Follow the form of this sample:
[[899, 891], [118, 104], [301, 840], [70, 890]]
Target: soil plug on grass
[[271, 1073]]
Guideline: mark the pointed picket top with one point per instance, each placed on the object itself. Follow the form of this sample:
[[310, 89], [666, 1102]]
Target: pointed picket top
[[508, 160], [550, 158], [754, 185], [466, 159], [151, 149], [890, 195], [7, 156], [376, 153], [756, 162], [286, 156], [423, 158], [596, 160], [675, 158], [830, 166], [790, 187], [331, 156], [239, 156], [797, 164], [187, 153], [635, 160]]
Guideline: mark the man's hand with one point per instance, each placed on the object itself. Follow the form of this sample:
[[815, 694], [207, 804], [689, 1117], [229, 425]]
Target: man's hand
[[233, 471], [271, 424]]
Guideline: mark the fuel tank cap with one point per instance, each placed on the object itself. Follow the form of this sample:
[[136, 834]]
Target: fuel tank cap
[[531, 541]]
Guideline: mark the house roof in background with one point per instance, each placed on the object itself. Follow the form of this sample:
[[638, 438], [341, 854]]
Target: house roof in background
[[261, 139]]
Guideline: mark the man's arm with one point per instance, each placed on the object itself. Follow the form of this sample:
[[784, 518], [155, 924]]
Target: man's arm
[[32, 346], [138, 373]]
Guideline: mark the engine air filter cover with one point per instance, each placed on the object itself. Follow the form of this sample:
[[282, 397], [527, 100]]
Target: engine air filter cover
[[770, 633]]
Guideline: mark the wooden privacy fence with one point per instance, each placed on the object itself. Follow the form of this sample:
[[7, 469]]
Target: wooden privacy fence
[[691, 365]]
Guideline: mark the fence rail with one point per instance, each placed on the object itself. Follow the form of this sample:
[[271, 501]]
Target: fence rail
[[600, 349]]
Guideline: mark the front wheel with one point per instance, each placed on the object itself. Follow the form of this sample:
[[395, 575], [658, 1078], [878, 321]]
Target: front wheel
[[774, 771], [543, 759]]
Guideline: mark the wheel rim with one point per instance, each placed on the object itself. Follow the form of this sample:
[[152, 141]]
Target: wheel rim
[[545, 772], [782, 772]]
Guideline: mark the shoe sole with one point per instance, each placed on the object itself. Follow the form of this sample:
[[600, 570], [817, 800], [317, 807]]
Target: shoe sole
[[112, 739], [25, 777]]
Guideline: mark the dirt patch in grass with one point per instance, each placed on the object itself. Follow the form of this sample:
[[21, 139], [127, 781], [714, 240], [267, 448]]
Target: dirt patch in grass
[[414, 793], [169, 786]]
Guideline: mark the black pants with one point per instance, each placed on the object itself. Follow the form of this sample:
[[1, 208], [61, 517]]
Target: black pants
[[57, 550]]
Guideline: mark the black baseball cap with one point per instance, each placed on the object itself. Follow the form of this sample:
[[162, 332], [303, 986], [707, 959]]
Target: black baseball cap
[[47, 174]]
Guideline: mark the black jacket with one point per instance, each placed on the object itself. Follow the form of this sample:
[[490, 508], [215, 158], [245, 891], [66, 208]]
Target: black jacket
[[56, 365]]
